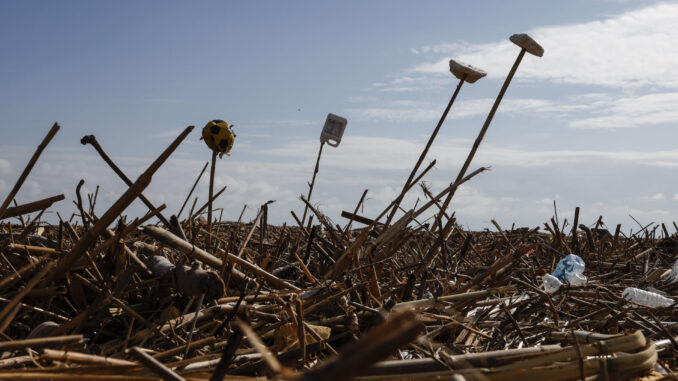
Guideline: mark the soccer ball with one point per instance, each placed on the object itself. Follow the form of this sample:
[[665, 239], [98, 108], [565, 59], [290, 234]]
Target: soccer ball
[[219, 136]]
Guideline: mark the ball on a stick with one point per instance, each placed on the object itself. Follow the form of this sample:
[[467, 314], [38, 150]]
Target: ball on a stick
[[219, 136]]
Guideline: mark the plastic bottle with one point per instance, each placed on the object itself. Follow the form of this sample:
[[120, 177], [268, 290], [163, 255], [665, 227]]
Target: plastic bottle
[[571, 269], [550, 283], [646, 298]]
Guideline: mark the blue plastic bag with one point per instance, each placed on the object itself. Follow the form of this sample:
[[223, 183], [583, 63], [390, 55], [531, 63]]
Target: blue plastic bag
[[571, 269]]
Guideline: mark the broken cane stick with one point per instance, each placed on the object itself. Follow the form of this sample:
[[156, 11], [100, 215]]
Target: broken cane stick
[[27, 170], [114, 211]]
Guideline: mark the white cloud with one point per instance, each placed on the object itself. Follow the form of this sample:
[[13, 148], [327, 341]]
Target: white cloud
[[407, 111], [547, 200], [648, 213], [361, 99], [629, 50], [5, 167], [635, 111], [32, 188], [654, 197], [364, 153], [631, 54], [403, 115], [409, 82], [520, 189], [526, 158], [469, 201], [443, 48]]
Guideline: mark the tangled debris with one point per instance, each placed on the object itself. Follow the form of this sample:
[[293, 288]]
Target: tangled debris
[[403, 301], [198, 299]]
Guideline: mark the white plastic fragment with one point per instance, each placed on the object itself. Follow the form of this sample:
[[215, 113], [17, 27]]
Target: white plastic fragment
[[550, 283], [577, 279]]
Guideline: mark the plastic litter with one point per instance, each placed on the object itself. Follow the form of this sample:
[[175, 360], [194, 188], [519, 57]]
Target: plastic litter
[[646, 298], [577, 279], [333, 130], [550, 283], [571, 269], [673, 275]]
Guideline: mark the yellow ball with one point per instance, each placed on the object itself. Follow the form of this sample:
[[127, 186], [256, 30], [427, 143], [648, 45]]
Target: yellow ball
[[219, 136]]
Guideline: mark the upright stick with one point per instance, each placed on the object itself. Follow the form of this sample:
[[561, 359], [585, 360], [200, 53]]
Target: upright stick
[[310, 190], [192, 189], [209, 207]]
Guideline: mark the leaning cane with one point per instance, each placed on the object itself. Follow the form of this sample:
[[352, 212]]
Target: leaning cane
[[465, 73], [92, 140], [527, 44]]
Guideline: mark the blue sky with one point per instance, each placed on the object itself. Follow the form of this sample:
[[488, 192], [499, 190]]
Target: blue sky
[[590, 124]]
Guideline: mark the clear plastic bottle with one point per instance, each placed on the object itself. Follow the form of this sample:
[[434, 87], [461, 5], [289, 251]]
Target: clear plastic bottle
[[646, 298], [550, 283], [571, 269]]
